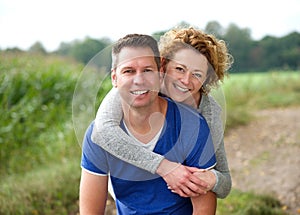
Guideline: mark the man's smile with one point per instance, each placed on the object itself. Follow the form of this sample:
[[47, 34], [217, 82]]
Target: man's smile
[[139, 92]]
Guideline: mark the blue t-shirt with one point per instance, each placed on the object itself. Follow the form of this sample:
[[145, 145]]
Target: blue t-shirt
[[185, 138]]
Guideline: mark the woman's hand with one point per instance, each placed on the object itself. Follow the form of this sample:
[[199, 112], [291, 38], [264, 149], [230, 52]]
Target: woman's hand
[[185, 181], [208, 176]]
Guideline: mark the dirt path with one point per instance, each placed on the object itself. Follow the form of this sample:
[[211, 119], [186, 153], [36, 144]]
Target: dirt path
[[264, 156]]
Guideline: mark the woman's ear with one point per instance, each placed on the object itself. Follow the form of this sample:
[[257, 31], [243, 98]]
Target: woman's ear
[[163, 65], [161, 76], [161, 70]]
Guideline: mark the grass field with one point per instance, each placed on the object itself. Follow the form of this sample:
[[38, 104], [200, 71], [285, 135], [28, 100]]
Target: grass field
[[40, 155], [246, 93]]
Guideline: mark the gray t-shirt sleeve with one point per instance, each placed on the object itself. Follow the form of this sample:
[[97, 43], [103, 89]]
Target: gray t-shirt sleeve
[[211, 111], [108, 134]]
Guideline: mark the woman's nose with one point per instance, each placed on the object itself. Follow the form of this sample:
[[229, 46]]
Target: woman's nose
[[186, 78]]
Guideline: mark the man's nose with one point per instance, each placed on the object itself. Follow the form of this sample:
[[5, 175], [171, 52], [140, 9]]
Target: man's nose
[[138, 78]]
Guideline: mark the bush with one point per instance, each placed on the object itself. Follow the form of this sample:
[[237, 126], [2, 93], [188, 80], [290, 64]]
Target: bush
[[35, 98], [247, 203]]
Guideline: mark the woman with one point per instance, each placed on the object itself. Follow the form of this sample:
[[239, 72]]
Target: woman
[[193, 62]]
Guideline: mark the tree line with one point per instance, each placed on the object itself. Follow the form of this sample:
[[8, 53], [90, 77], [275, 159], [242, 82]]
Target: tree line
[[269, 53]]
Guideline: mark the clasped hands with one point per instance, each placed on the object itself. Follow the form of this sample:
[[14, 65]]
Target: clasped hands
[[186, 181]]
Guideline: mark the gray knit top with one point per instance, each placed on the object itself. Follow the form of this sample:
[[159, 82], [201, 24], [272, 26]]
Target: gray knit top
[[108, 134]]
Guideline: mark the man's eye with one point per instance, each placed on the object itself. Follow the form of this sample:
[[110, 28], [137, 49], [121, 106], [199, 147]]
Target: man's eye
[[128, 71], [148, 70]]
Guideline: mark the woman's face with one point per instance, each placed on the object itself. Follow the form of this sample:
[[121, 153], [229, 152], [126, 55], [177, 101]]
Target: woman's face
[[185, 75]]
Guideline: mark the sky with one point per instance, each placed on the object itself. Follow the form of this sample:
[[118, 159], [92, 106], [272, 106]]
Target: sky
[[22, 23]]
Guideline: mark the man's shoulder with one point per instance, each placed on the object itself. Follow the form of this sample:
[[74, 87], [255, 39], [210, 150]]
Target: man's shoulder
[[185, 111], [88, 136], [90, 128], [186, 118]]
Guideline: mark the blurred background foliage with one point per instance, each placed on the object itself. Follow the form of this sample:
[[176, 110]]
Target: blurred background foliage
[[250, 55]]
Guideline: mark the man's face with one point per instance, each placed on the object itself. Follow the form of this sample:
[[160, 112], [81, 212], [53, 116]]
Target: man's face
[[136, 76]]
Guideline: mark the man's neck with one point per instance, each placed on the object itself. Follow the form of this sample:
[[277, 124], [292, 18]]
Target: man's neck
[[144, 123]]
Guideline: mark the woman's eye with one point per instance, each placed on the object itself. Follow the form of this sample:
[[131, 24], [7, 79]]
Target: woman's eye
[[198, 75], [179, 69]]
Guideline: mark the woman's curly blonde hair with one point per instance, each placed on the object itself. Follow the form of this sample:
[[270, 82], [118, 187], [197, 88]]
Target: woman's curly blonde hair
[[213, 49]]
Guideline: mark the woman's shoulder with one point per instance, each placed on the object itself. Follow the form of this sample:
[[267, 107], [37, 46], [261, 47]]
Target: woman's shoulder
[[209, 104], [212, 112]]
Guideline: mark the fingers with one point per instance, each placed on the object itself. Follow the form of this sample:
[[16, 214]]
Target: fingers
[[209, 177], [180, 193], [188, 189], [198, 183], [195, 169], [183, 192], [186, 181]]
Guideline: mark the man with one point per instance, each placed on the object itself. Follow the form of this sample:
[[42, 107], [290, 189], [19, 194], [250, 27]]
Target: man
[[171, 129]]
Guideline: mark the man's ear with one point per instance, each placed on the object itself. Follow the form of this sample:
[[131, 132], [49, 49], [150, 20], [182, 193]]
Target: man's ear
[[113, 76]]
